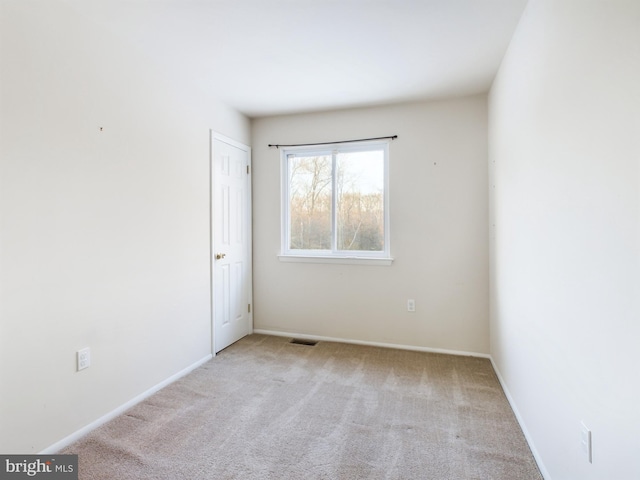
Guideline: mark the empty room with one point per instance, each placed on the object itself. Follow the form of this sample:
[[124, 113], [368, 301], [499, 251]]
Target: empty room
[[355, 239]]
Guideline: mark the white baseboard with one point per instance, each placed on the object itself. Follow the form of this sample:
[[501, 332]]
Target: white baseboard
[[523, 426], [372, 344], [56, 447]]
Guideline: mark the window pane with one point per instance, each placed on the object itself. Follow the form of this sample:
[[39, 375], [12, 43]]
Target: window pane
[[360, 200], [310, 202]]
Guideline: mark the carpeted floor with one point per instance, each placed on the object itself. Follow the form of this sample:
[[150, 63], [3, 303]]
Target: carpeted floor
[[268, 409]]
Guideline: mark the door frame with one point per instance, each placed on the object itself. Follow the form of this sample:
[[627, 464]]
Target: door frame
[[213, 135]]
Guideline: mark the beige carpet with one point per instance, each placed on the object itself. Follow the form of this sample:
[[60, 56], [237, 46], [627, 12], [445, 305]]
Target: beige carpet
[[268, 409]]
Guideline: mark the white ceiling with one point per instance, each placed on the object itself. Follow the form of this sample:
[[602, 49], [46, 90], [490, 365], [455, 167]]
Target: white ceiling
[[267, 57]]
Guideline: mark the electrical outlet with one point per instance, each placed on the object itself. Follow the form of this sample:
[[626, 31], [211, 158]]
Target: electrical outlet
[[84, 358], [411, 305], [585, 442]]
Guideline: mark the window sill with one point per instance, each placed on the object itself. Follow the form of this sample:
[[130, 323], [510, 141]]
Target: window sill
[[386, 261]]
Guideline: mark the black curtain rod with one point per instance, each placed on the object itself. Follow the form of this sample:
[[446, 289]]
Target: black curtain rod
[[390, 137]]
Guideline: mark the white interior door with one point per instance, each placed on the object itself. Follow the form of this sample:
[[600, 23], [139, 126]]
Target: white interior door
[[231, 241]]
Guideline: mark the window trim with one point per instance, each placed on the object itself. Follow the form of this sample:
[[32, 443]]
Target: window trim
[[333, 256]]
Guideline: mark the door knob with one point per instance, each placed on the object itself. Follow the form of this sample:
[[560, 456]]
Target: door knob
[[220, 255]]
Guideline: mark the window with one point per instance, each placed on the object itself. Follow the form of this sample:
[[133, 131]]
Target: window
[[335, 203]]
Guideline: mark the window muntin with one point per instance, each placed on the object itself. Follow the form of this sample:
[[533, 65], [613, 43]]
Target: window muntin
[[335, 201]]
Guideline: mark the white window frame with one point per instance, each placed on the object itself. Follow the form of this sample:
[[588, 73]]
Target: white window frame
[[333, 256]]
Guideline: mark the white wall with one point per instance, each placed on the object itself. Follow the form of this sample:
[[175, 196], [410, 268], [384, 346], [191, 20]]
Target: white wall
[[104, 235], [439, 232], [564, 133]]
